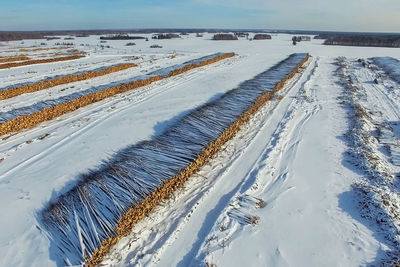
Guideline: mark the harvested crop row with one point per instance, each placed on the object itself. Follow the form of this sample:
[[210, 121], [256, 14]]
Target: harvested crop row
[[30, 88], [42, 49], [12, 59], [165, 190], [29, 120], [105, 205], [38, 61]]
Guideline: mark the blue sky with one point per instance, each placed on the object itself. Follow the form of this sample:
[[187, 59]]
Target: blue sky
[[340, 15]]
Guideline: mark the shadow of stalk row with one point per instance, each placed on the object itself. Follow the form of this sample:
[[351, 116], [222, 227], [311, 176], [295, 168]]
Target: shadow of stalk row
[[106, 203]]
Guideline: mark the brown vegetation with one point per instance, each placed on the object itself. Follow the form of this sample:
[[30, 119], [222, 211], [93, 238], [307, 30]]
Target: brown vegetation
[[12, 59], [36, 49], [121, 37], [38, 61], [262, 37], [165, 190], [28, 121], [29, 88], [224, 36], [203, 63]]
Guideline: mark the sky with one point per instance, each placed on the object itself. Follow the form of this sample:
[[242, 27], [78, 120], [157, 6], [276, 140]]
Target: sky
[[330, 15]]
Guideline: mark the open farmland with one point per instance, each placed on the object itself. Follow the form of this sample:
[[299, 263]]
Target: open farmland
[[245, 153]]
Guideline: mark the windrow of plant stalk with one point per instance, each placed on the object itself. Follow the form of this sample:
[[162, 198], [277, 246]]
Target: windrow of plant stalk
[[38, 61], [13, 59], [106, 203], [26, 117], [45, 84]]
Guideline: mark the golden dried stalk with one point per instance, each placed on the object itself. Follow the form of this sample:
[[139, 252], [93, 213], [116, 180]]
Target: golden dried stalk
[[12, 59], [165, 190], [30, 88], [38, 61]]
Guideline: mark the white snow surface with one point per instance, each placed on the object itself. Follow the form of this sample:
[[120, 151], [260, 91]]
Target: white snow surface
[[291, 155]]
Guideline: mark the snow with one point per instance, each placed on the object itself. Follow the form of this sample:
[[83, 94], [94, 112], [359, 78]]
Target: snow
[[292, 155]]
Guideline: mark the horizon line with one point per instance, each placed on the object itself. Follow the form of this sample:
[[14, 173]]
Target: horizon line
[[198, 29]]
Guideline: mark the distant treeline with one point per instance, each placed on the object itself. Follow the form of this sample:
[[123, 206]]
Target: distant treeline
[[20, 35], [224, 36], [165, 36], [121, 37], [15, 36], [260, 36], [364, 40]]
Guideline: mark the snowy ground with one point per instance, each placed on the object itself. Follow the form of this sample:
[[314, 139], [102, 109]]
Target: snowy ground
[[288, 172]]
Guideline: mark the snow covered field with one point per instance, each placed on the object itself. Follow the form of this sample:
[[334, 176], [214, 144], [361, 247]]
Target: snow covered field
[[296, 186]]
